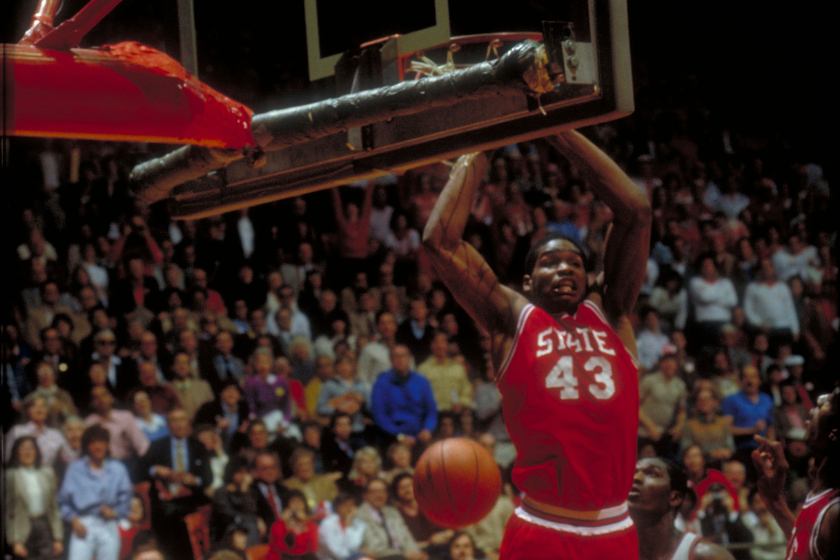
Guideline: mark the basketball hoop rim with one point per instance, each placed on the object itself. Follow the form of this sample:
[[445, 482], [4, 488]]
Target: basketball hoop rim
[[506, 36]]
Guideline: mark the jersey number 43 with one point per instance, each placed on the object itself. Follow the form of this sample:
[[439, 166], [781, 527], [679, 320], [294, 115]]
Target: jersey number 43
[[562, 375]]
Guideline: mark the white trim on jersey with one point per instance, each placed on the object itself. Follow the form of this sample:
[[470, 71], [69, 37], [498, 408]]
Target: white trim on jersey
[[625, 523], [815, 532], [520, 324], [812, 499], [685, 548], [597, 310]]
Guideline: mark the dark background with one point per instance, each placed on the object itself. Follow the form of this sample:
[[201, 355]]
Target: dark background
[[765, 68]]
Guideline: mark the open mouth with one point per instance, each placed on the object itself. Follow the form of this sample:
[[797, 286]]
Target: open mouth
[[564, 287]]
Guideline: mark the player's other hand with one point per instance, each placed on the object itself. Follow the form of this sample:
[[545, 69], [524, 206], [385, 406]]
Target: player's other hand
[[769, 460]]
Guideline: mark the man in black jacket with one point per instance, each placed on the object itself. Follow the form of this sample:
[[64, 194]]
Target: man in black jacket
[[267, 490], [179, 469], [229, 413]]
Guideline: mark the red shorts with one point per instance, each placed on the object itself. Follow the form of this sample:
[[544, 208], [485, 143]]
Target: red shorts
[[531, 538]]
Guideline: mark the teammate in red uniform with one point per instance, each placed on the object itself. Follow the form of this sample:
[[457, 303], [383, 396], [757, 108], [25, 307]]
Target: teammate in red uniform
[[815, 534], [565, 361], [658, 491]]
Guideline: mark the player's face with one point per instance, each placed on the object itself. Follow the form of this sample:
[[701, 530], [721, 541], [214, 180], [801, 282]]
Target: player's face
[[651, 490], [558, 281], [816, 437]]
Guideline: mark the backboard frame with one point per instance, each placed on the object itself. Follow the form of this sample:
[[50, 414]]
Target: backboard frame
[[324, 66]]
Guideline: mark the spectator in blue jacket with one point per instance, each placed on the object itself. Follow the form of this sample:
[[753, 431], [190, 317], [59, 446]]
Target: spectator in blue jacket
[[402, 403]]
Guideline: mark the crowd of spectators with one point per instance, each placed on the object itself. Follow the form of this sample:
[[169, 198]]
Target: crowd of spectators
[[285, 365]]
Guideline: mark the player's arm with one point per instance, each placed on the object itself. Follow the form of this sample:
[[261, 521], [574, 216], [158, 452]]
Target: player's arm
[[465, 272], [772, 467], [828, 537], [625, 258], [710, 551]]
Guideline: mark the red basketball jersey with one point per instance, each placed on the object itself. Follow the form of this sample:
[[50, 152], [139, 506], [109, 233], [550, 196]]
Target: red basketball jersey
[[803, 541], [571, 403]]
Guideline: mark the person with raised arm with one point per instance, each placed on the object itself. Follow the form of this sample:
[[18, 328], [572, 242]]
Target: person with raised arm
[[566, 360], [815, 533]]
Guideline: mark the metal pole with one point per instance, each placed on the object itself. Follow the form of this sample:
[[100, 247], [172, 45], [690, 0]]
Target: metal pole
[[186, 32]]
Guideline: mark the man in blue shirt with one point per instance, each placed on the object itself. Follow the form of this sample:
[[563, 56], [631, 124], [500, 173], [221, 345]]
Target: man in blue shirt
[[751, 413], [402, 403]]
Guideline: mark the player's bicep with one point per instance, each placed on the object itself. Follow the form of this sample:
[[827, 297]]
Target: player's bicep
[[476, 287]]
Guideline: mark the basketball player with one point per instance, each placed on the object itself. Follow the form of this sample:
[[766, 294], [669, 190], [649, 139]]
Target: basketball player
[[565, 357], [815, 534], [658, 490]]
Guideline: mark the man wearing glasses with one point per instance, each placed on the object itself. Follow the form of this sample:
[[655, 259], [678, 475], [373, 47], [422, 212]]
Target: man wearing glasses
[[119, 378]]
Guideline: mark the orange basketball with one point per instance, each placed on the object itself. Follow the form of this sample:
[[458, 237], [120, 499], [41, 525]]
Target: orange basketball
[[456, 482]]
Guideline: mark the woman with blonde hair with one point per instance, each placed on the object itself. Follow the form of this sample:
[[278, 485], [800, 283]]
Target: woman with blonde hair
[[367, 465]]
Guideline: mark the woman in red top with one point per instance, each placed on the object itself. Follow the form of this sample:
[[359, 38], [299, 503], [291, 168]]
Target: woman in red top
[[295, 535]]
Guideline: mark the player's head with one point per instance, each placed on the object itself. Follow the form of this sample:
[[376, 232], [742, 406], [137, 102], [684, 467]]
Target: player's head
[[824, 437], [659, 487], [555, 274]]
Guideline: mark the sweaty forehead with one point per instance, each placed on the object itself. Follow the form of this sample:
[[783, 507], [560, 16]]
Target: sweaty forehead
[[652, 462], [559, 246]]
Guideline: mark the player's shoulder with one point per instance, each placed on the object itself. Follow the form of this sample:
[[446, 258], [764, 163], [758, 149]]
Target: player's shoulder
[[705, 550], [828, 533]]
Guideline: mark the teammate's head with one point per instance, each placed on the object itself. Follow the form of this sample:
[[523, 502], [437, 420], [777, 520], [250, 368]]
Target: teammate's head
[[824, 437], [659, 487], [555, 278]]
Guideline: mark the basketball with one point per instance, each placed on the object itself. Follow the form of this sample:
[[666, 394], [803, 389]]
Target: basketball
[[456, 482]]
